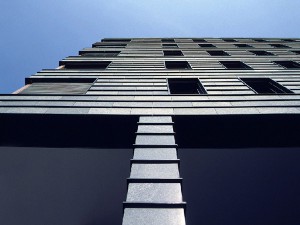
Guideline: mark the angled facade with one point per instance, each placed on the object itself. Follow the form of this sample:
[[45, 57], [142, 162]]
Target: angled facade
[[167, 131]]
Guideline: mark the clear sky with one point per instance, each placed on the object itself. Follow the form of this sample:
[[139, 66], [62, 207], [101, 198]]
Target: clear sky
[[36, 34]]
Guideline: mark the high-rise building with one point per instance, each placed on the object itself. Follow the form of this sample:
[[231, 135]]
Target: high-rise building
[[156, 131]]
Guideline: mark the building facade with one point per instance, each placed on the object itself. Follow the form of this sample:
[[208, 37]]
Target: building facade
[[167, 131]]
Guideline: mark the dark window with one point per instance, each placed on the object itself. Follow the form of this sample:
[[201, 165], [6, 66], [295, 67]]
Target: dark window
[[177, 65], [261, 53], [229, 40], [101, 54], [279, 46], [185, 86], [235, 65], [199, 40], [170, 45], [117, 40], [260, 40], [206, 46], [115, 45], [173, 53], [265, 86], [218, 53], [288, 40], [243, 46], [167, 40], [297, 52], [288, 64], [86, 65]]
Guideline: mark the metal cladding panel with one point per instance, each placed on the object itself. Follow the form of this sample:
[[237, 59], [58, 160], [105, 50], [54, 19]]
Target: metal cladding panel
[[57, 88]]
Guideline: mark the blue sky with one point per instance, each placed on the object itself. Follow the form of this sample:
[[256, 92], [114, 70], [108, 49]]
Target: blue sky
[[36, 34]]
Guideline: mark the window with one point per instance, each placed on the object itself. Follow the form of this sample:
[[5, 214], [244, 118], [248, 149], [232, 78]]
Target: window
[[199, 40], [185, 86], [115, 45], [218, 53], [101, 54], [177, 65], [229, 40], [167, 40], [235, 65], [288, 64], [170, 45], [265, 86], [297, 52], [261, 53], [85, 65], [279, 46], [243, 46], [206, 46], [260, 40], [288, 40], [173, 53], [117, 40]]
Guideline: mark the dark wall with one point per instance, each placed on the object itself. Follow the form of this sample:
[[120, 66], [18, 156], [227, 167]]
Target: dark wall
[[255, 186], [234, 131], [64, 130], [59, 186]]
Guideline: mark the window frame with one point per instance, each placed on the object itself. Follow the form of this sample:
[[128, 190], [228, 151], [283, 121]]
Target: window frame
[[269, 81], [229, 40], [199, 86], [245, 66], [178, 51], [287, 61], [101, 52], [84, 65], [225, 53], [279, 46], [115, 45], [188, 66], [168, 46], [207, 45], [268, 53], [169, 40], [239, 45]]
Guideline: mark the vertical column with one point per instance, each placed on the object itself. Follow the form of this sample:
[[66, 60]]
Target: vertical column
[[154, 194]]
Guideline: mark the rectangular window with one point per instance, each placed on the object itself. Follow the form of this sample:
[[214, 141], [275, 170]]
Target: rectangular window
[[177, 65], [101, 54], [261, 53], [288, 40], [206, 46], [113, 45], [167, 40], [288, 64], [243, 46], [229, 40], [116, 40], [170, 45], [235, 65], [197, 40], [173, 53], [279, 46], [218, 53], [185, 86], [265, 86], [86, 65]]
